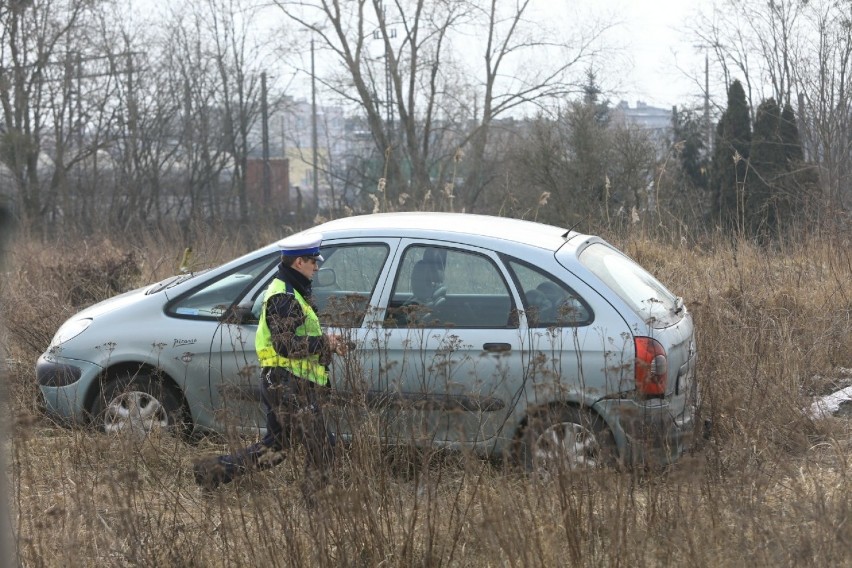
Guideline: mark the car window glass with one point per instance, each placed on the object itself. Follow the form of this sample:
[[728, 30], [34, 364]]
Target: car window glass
[[632, 283], [547, 301], [346, 280], [438, 287], [217, 295]]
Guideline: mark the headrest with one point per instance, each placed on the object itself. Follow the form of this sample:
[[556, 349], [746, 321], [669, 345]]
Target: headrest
[[426, 278]]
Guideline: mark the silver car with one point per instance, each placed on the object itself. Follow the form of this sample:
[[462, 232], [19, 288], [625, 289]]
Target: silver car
[[508, 337]]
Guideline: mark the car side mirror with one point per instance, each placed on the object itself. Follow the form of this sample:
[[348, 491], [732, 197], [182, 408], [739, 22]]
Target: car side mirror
[[325, 277], [239, 314]]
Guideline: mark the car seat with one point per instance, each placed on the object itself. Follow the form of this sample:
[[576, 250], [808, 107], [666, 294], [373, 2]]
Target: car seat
[[566, 310], [427, 284], [427, 289], [538, 306], [553, 292]]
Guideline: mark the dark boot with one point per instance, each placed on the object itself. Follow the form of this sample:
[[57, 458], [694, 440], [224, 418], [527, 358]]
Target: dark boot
[[218, 470], [213, 471]]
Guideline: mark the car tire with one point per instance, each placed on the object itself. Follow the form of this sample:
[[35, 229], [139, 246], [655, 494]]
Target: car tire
[[565, 438], [139, 403]]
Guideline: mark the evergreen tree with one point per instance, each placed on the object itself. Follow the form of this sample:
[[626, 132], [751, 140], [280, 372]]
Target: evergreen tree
[[589, 149], [717, 171], [790, 139], [591, 98], [800, 182], [688, 141], [730, 159], [768, 165]]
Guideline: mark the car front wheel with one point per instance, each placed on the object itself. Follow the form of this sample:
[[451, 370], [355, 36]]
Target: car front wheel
[[138, 404], [566, 439]]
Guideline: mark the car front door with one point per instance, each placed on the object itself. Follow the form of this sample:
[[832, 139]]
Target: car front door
[[222, 360], [346, 290], [345, 287]]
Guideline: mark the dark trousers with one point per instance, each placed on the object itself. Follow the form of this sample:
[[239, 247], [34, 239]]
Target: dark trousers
[[293, 415]]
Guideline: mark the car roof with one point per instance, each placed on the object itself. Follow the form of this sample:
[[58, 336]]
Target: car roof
[[445, 225]]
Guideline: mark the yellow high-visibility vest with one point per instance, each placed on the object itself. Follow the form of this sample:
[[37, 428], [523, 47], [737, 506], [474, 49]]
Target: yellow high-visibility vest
[[303, 367]]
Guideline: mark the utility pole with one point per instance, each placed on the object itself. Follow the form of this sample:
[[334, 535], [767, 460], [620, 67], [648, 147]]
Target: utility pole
[[804, 133], [707, 105], [385, 34], [389, 90], [314, 128], [264, 119]]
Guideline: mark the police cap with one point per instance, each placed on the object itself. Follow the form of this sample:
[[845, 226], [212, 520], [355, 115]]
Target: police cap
[[302, 244]]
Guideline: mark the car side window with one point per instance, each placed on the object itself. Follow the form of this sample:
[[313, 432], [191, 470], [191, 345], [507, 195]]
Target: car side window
[[547, 301], [217, 295], [346, 281], [440, 287], [343, 285]]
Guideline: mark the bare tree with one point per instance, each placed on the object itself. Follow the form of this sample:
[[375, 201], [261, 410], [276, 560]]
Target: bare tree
[[141, 139], [188, 100], [388, 77], [510, 39], [236, 55], [411, 48], [212, 152], [823, 76], [756, 42], [33, 62]]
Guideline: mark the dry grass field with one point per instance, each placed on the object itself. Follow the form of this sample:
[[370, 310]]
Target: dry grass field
[[769, 487]]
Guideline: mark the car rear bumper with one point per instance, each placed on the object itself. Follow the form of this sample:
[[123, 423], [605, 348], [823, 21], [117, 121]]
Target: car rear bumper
[[647, 434], [63, 384]]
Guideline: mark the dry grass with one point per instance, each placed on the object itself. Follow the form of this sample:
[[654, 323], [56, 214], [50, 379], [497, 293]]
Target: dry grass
[[769, 488]]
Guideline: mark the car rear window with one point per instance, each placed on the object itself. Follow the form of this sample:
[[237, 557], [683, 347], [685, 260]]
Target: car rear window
[[633, 284]]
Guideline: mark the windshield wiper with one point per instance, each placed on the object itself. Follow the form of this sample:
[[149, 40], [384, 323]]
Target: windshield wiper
[[171, 282]]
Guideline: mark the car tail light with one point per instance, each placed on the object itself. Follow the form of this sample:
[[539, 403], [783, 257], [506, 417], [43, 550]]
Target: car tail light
[[651, 372]]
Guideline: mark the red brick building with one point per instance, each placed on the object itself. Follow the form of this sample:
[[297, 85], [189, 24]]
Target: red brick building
[[279, 184]]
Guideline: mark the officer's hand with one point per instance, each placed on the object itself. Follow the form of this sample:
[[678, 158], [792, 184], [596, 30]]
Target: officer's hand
[[339, 345]]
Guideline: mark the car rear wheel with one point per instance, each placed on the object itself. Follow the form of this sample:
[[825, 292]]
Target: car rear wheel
[[139, 403], [566, 439]]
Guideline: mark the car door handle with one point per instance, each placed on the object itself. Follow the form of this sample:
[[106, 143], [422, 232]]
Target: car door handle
[[497, 347]]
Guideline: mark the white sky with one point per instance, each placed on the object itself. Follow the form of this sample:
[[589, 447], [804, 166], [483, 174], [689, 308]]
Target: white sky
[[657, 53]]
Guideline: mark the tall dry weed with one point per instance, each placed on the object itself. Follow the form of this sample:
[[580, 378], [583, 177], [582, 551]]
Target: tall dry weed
[[768, 488]]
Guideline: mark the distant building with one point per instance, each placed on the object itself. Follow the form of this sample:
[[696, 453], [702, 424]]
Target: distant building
[[291, 142], [654, 119], [277, 196]]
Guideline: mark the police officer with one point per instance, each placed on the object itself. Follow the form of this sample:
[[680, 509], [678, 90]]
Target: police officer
[[293, 353]]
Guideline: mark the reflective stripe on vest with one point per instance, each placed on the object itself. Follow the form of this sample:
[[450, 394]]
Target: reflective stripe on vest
[[303, 367]]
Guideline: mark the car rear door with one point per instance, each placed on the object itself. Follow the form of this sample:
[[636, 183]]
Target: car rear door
[[580, 347]]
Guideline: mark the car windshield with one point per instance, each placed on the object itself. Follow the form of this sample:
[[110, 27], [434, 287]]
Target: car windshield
[[633, 284]]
